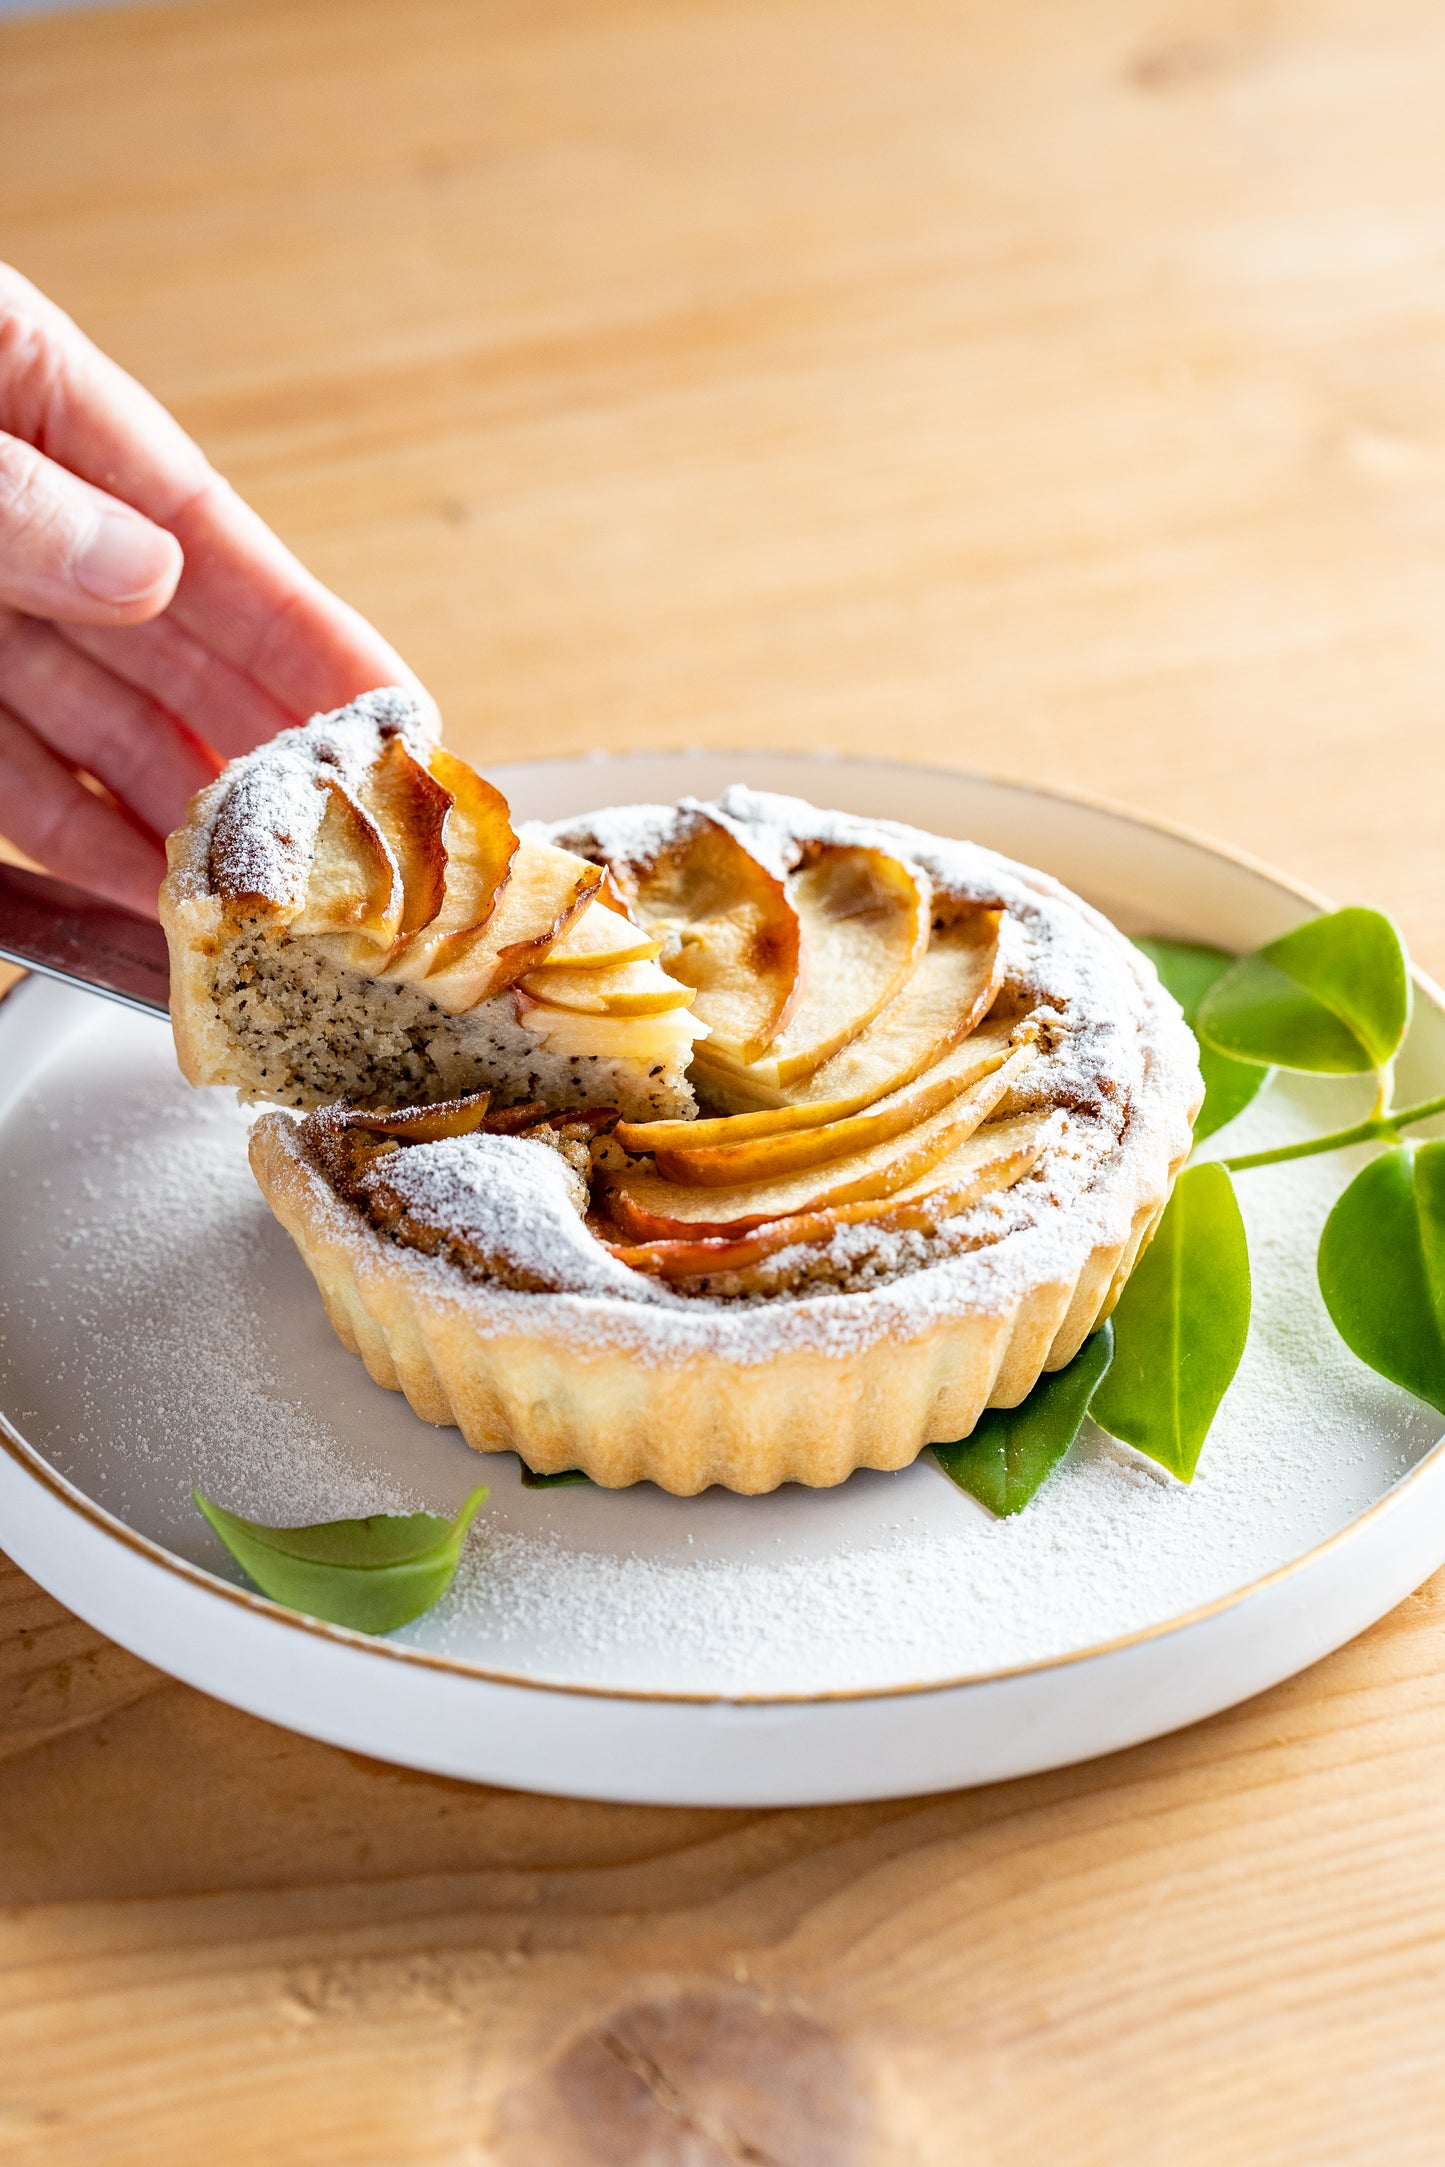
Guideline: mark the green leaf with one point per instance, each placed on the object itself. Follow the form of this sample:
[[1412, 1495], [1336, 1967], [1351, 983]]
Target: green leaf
[[531, 1480], [1012, 1449], [1382, 1268], [1188, 969], [1180, 1325], [371, 1574], [1332, 998]]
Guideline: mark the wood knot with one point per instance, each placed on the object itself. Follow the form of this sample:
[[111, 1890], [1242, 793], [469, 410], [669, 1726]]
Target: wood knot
[[700, 2077], [1175, 63]]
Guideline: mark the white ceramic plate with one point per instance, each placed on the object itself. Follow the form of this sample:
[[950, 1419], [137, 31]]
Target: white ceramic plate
[[157, 1331]]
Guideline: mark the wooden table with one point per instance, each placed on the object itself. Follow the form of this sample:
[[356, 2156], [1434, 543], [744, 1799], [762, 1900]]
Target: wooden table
[[1056, 386]]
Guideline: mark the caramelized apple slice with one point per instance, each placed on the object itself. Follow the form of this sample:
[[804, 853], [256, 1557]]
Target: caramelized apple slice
[[425, 1124], [651, 1209], [764, 1158], [479, 846], [410, 808], [991, 1160], [627, 989], [601, 939], [952, 989], [666, 1039], [546, 890], [864, 916], [354, 891], [738, 932]]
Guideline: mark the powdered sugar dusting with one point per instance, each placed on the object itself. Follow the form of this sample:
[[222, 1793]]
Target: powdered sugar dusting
[[621, 834], [259, 821], [508, 1198], [134, 1260]]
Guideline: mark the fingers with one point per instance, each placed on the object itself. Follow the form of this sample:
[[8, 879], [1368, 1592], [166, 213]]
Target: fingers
[[68, 551], [143, 755], [65, 396], [67, 828], [242, 594], [230, 710], [225, 704], [109, 515], [245, 596]]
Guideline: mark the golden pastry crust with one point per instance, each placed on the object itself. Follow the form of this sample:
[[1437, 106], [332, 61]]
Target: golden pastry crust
[[630, 1394]]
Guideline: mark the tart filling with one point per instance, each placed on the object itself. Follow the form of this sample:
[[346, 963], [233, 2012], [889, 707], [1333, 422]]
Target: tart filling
[[548, 1204]]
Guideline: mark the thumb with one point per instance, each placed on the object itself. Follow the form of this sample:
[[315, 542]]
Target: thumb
[[70, 552]]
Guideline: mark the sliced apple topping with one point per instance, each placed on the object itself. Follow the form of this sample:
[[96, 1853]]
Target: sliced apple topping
[[864, 919], [984, 1164], [354, 891], [601, 939], [665, 1039], [548, 892], [410, 807], [761, 1158], [545, 891], [425, 1124], [736, 934], [628, 989], [479, 848], [649, 1208], [953, 988]]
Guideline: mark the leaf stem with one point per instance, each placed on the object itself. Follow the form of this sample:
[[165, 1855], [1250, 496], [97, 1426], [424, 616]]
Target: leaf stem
[[1380, 1128]]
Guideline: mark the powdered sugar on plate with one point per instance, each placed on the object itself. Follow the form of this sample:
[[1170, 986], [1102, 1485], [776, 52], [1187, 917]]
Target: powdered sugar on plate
[[159, 1331]]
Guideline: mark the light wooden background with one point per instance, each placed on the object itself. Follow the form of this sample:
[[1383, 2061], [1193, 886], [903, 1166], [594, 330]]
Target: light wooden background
[[1056, 386]]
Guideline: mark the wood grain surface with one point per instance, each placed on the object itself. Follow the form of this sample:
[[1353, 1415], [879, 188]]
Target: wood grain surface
[[1053, 386]]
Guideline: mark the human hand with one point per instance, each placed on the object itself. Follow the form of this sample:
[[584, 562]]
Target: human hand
[[151, 625]]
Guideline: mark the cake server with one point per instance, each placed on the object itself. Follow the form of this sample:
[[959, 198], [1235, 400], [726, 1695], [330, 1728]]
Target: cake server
[[82, 940]]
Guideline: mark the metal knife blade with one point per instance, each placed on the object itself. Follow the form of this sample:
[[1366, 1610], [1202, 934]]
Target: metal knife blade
[[83, 941]]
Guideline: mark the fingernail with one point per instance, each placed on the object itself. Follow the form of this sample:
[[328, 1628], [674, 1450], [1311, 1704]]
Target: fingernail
[[125, 558]]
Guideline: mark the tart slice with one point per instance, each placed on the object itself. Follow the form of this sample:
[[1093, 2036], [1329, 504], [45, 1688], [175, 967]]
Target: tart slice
[[351, 915]]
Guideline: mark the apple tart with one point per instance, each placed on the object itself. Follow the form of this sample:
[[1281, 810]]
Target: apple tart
[[923, 1107]]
